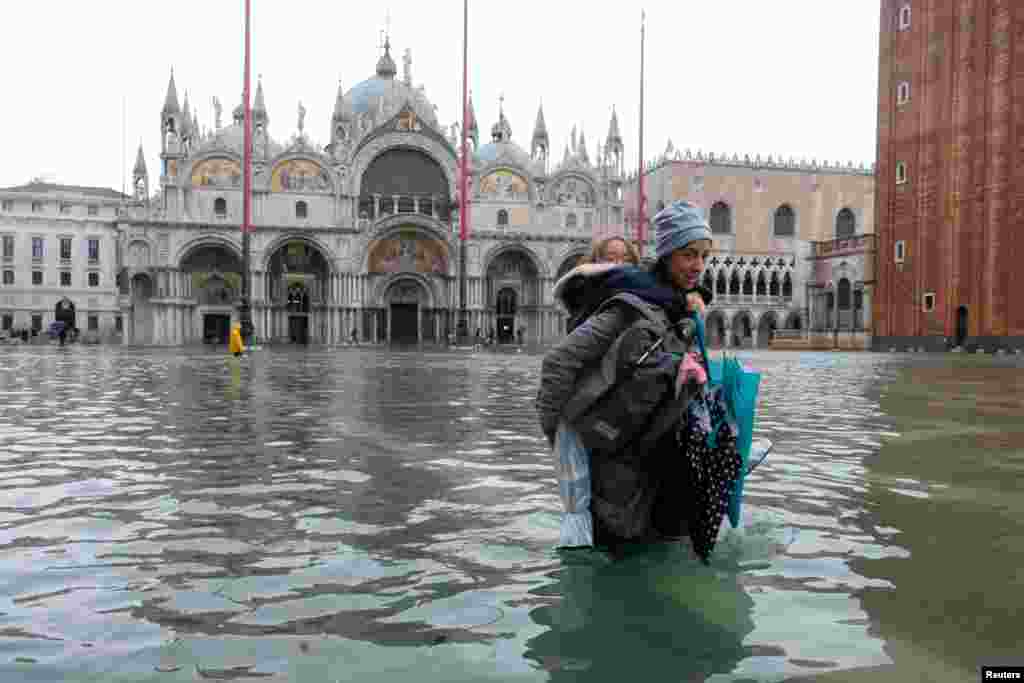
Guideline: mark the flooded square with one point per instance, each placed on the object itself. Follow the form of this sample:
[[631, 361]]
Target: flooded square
[[374, 515]]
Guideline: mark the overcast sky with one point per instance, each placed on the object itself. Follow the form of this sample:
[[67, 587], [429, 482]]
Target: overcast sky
[[793, 77]]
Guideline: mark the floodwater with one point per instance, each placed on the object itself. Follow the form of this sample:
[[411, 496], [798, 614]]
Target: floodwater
[[366, 515]]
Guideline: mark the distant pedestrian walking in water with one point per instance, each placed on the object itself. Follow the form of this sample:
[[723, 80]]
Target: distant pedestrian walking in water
[[235, 344]]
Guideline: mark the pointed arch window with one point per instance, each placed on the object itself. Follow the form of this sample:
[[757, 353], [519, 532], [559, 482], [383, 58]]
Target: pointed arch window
[[773, 286], [748, 284], [734, 284], [502, 218], [301, 210], [220, 207], [787, 287], [708, 284], [785, 221], [846, 224], [720, 286], [721, 218], [901, 173], [843, 294], [762, 286], [570, 221]]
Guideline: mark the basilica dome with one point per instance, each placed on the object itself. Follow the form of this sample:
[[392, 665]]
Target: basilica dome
[[384, 91], [501, 149]]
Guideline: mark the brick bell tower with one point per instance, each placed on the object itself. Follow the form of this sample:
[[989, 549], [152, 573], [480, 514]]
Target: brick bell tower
[[950, 180]]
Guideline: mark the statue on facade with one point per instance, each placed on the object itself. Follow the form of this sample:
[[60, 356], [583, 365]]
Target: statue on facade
[[302, 118], [217, 109]]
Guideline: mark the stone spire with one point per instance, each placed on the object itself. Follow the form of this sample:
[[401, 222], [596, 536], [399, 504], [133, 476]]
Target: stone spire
[[474, 132], [171, 101], [582, 149], [186, 118], [259, 107], [540, 142], [540, 128], [386, 65], [140, 178], [572, 146], [614, 137], [501, 131], [140, 164]]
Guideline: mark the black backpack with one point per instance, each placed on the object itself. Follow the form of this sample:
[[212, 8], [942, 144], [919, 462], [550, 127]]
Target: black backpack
[[627, 402]]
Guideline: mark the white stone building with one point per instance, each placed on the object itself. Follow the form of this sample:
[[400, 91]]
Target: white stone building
[[58, 259]]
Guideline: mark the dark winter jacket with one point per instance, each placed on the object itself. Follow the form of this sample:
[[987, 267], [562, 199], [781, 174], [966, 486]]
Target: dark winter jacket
[[581, 291]]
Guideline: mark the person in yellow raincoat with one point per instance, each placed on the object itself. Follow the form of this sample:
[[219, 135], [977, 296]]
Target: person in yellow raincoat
[[235, 344]]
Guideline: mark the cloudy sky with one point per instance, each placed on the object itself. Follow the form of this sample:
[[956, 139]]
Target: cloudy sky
[[84, 80]]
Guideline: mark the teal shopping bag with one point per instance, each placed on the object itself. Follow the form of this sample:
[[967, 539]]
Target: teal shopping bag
[[740, 384]]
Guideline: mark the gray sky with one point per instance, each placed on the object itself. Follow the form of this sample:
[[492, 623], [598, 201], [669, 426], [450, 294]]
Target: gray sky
[[792, 77]]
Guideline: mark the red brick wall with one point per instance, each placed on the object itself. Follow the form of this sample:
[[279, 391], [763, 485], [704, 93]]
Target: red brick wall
[[961, 213]]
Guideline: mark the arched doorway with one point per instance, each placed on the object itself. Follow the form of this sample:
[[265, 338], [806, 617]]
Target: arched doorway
[[766, 329], [506, 315], [715, 328], [513, 291], [742, 330], [64, 312], [215, 273], [961, 325], [298, 274], [142, 309], [405, 301]]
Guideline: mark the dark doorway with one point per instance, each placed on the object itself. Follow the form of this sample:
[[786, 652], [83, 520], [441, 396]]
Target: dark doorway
[[404, 323], [506, 318], [216, 327], [64, 312], [961, 325], [298, 329]]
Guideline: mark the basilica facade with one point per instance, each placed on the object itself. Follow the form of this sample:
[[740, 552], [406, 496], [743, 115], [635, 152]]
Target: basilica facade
[[359, 238]]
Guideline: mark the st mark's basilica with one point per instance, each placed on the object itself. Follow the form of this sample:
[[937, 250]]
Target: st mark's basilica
[[359, 237]]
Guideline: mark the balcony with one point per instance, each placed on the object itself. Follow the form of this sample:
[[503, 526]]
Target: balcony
[[752, 300], [378, 207], [857, 244]]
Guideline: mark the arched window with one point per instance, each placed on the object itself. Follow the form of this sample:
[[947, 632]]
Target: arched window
[[720, 286], [901, 173], [904, 18], [846, 224], [748, 284], [762, 286], [570, 221], [734, 283], [721, 219], [785, 221], [220, 207], [843, 294], [301, 210], [773, 286], [787, 287], [903, 92], [502, 218]]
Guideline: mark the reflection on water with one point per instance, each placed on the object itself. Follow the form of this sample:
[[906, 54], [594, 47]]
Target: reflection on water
[[364, 515]]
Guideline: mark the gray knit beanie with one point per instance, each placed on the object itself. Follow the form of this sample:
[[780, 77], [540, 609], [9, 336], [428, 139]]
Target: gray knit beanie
[[677, 225]]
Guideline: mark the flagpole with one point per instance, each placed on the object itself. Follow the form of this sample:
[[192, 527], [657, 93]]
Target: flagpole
[[642, 199], [463, 330], [245, 311]]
